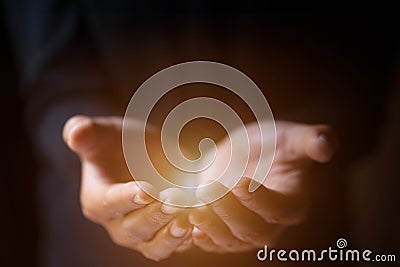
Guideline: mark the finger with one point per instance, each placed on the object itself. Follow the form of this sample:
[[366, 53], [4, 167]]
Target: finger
[[299, 141], [186, 245], [243, 223], [209, 223], [143, 224], [97, 179], [273, 206], [95, 139], [123, 198], [89, 137], [140, 225], [167, 239], [203, 241]]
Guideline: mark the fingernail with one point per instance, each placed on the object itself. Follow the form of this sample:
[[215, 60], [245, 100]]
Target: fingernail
[[168, 209], [199, 215], [323, 137], [328, 138], [328, 147], [177, 231], [193, 219], [142, 199]]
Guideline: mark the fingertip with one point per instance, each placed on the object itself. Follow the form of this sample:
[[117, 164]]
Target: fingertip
[[178, 232], [322, 144], [193, 218], [197, 216], [147, 190], [187, 244], [142, 198], [198, 234], [169, 209], [173, 197], [180, 228], [241, 190], [76, 129], [329, 144], [246, 186]]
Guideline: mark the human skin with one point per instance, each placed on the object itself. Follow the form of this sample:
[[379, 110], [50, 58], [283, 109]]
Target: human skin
[[242, 220], [237, 222]]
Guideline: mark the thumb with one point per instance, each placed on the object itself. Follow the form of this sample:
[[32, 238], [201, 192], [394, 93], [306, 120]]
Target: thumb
[[89, 137]]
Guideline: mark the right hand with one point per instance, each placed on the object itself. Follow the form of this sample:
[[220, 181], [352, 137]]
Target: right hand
[[110, 197]]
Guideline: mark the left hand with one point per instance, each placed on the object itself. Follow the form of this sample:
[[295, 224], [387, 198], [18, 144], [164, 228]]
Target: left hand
[[241, 220]]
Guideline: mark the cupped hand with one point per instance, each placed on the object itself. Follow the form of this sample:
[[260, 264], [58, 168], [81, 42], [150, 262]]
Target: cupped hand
[[241, 220], [110, 197], [237, 222]]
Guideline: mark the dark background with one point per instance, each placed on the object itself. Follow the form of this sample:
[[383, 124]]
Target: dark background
[[367, 43], [18, 181]]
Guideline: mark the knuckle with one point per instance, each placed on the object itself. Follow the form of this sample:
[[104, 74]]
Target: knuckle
[[118, 239], [158, 218], [130, 232], [121, 237], [108, 207]]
